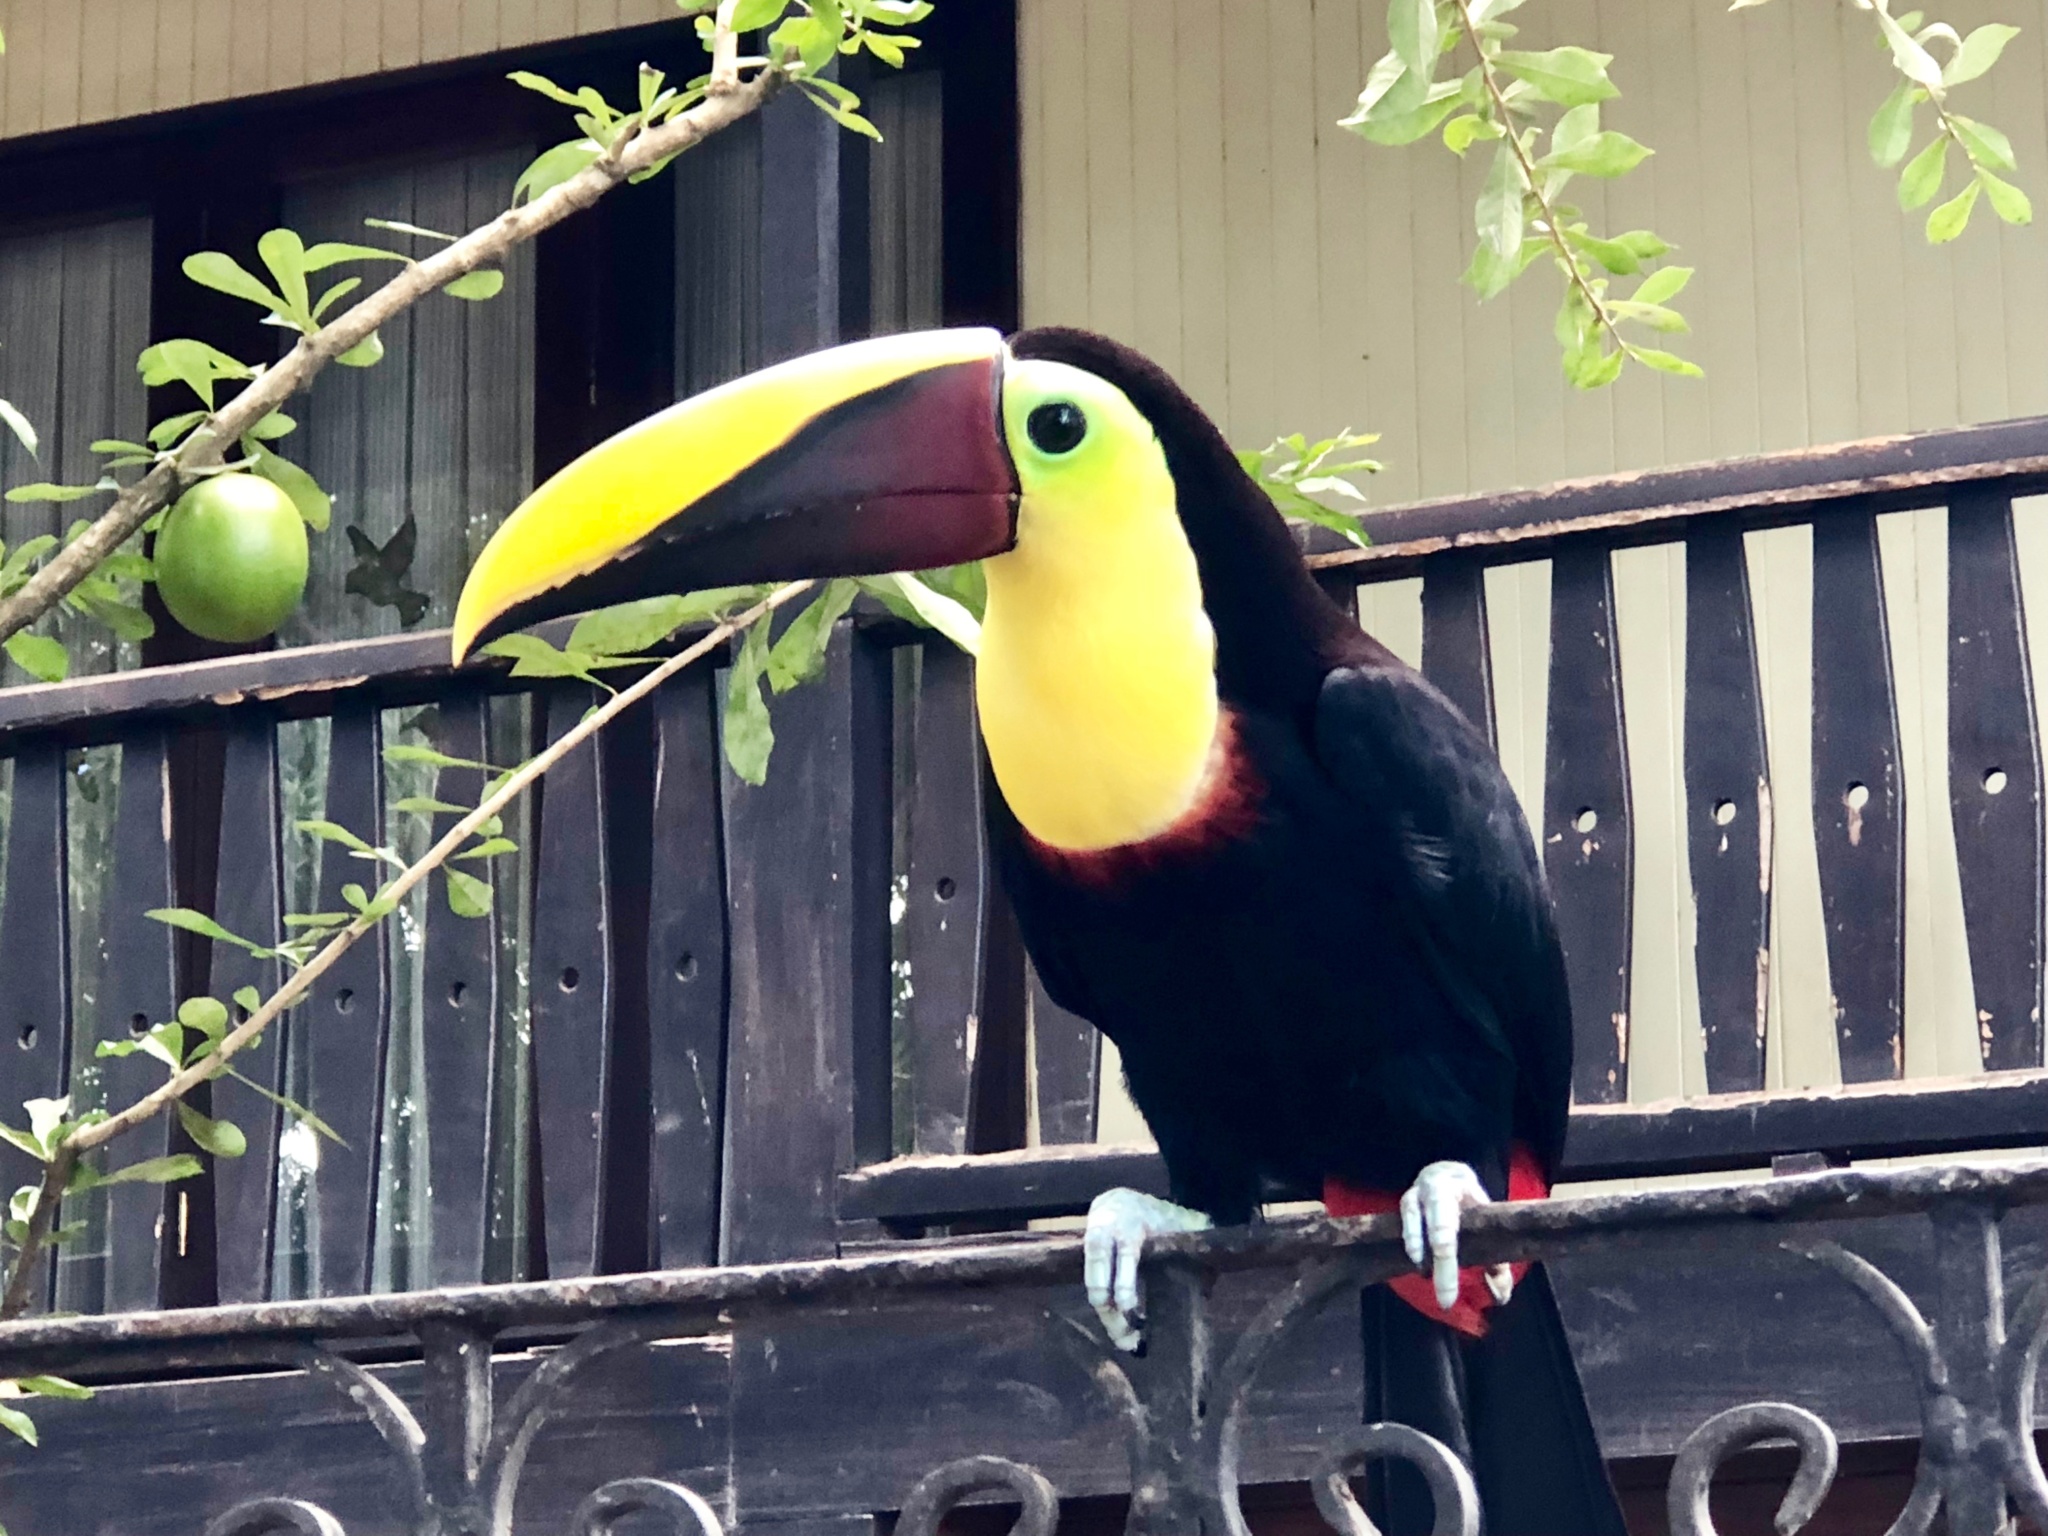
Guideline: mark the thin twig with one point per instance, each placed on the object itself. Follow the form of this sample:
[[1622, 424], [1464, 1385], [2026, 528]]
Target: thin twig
[[729, 100], [1551, 228], [57, 1172]]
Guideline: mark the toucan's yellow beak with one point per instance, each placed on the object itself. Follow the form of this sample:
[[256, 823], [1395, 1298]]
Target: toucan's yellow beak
[[883, 455]]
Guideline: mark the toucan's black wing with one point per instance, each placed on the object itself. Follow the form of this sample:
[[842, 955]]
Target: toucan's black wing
[[1428, 781]]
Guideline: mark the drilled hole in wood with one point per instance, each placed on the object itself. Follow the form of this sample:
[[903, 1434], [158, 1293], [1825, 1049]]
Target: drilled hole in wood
[[947, 888], [1724, 812], [457, 991], [1587, 819], [344, 1000], [570, 977], [241, 1013], [686, 968], [1856, 796], [138, 1024], [27, 1038], [1994, 781]]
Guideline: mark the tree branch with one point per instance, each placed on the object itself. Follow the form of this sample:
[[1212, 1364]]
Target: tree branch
[[730, 99], [58, 1171]]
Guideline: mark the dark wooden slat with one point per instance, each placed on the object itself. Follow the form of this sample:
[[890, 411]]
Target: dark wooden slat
[[799, 251], [1066, 1053], [1727, 809], [1858, 799], [344, 1025], [1995, 779], [799, 890], [572, 985], [35, 936], [1705, 1135], [138, 988], [458, 1021], [1586, 820], [686, 974], [248, 898], [1655, 506], [946, 901], [1454, 648]]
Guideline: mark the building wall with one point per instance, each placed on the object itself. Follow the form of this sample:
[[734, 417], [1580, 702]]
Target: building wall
[[1186, 188], [70, 62]]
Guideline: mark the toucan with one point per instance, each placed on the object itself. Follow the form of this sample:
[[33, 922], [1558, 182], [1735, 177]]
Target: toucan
[[1269, 860]]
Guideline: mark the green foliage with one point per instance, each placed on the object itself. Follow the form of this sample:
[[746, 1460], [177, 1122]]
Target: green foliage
[[1519, 216], [1294, 472]]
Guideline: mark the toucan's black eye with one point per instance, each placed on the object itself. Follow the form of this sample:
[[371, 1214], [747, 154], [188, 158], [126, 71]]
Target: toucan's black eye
[[1056, 427]]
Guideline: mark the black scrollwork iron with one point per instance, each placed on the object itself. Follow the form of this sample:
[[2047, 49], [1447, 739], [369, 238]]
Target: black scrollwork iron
[[1692, 1474], [944, 1489], [687, 1514], [1450, 1483], [276, 1517]]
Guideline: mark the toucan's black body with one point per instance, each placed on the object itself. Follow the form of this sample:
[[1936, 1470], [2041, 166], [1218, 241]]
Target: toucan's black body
[[1349, 969]]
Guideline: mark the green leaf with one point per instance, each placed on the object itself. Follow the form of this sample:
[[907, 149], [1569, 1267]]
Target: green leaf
[[1380, 81], [1466, 129], [489, 848], [200, 923], [2007, 200], [18, 1423], [832, 107], [1593, 369], [366, 353], [314, 505], [410, 752], [332, 253], [248, 999], [208, 1015], [335, 295], [291, 1107], [334, 832], [285, 254], [629, 628], [1581, 125], [46, 1120], [1655, 316], [1397, 128], [933, 609], [1490, 273], [38, 655], [1912, 60], [425, 805], [1891, 129], [542, 85], [1662, 285], [55, 1386], [154, 1170], [467, 895], [42, 490], [272, 427], [168, 431], [19, 425], [753, 15], [484, 283], [220, 1137], [1611, 254], [315, 919], [1412, 33], [193, 363], [1921, 178], [222, 273], [1952, 217], [1571, 77], [532, 656], [799, 654], [553, 167], [1607, 154], [1498, 213], [1980, 50], [749, 736], [15, 567], [1986, 145]]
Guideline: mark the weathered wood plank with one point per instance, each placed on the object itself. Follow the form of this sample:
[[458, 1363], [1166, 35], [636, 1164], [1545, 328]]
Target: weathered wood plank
[[138, 988], [1586, 819], [572, 995], [799, 250], [248, 900], [798, 890], [1454, 646], [458, 1023], [1995, 779], [35, 935], [344, 1023], [1727, 809], [686, 974], [946, 902], [1066, 1059], [1858, 799]]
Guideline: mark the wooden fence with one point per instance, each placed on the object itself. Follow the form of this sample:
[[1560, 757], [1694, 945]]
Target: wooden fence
[[712, 1023]]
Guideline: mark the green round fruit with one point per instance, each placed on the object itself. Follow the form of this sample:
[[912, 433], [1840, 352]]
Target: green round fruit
[[231, 558]]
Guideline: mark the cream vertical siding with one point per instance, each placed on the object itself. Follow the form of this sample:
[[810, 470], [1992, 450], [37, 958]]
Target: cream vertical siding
[[1186, 188], [70, 62]]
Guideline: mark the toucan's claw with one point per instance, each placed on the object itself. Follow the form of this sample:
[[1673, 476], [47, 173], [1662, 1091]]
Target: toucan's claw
[[1119, 1222], [1430, 1212]]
